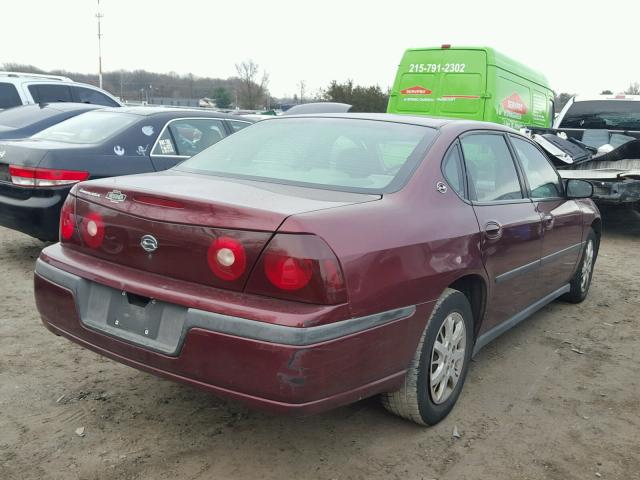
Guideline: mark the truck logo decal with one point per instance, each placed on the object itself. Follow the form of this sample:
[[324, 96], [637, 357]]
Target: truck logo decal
[[514, 104], [115, 196], [417, 90], [3, 153]]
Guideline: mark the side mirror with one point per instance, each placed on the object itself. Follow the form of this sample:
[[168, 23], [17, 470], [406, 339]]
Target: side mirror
[[579, 188]]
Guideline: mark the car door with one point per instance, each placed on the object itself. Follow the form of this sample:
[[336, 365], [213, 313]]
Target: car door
[[509, 222], [561, 217], [181, 138]]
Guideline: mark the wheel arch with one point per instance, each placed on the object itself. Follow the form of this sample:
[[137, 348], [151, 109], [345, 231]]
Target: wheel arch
[[473, 287]]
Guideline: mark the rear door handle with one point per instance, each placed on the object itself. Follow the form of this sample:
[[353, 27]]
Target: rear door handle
[[493, 230]]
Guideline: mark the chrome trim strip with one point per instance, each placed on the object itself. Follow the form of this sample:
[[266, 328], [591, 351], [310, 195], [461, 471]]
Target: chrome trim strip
[[501, 328], [503, 277], [188, 318]]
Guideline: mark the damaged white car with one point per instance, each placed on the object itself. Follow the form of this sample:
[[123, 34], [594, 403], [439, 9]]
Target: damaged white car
[[598, 139]]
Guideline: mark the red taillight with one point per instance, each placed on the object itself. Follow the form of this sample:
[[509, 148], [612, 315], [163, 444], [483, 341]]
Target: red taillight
[[288, 273], [68, 218], [44, 177], [92, 229], [227, 258], [301, 268]]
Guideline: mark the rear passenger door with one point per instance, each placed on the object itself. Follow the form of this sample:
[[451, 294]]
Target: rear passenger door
[[184, 137], [561, 217], [509, 222], [89, 95]]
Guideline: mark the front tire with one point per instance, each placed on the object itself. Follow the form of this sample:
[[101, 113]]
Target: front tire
[[439, 367], [581, 280]]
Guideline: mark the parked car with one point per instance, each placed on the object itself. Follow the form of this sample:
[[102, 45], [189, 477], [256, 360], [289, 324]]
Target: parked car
[[309, 262], [27, 120], [37, 173], [598, 139], [18, 88]]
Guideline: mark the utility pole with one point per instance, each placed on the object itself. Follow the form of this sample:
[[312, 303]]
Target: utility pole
[[99, 17]]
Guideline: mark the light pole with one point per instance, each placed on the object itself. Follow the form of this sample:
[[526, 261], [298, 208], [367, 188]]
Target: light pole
[[99, 17]]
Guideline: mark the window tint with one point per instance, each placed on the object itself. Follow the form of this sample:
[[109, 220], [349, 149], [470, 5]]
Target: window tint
[[50, 93], [607, 114], [190, 136], [337, 153], [543, 179], [452, 169], [238, 125], [9, 96], [490, 169], [87, 95]]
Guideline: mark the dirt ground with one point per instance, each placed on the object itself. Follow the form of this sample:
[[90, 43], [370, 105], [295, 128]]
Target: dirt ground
[[558, 397]]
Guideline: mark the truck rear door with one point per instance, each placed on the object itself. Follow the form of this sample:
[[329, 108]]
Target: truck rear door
[[442, 83]]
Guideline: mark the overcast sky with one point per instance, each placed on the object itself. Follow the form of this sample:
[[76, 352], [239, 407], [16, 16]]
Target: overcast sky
[[582, 47]]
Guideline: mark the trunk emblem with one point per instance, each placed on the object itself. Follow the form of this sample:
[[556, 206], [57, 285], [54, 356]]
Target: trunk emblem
[[116, 196], [149, 243]]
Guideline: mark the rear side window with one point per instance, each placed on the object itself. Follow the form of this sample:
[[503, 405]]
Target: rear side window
[[452, 170], [490, 169], [50, 93], [189, 136], [88, 95], [237, 125], [9, 96], [542, 177]]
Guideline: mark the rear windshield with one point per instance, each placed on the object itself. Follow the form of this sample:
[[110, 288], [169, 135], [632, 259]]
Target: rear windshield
[[605, 114], [19, 117], [90, 127], [335, 153]]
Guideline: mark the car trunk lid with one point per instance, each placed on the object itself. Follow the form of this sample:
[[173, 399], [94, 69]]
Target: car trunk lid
[[182, 227]]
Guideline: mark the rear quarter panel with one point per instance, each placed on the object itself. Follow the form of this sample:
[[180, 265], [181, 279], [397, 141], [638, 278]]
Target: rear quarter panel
[[404, 249]]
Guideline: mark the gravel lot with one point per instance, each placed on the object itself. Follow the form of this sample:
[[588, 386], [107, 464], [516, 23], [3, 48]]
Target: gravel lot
[[556, 398]]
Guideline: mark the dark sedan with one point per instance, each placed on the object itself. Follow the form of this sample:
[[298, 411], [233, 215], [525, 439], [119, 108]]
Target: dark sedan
[[27, 120], [37, 173], [308, 262]]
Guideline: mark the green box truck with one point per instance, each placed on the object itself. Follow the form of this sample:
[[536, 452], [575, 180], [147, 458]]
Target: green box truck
[[476, 83]]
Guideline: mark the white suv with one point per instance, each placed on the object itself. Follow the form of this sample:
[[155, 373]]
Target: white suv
[[24, 88]]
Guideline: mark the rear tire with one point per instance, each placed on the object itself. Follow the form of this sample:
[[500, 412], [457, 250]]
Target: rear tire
[[581, 280], [439, 367]]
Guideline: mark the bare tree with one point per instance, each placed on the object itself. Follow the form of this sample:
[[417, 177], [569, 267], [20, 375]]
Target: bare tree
[[302, 85], [633, 89], [251, 91]]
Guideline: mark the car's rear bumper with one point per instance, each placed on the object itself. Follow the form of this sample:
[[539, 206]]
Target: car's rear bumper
[[275, 367], [36, 214]]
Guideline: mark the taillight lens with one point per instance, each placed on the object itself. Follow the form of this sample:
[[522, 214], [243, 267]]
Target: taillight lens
[[92, 229], [68, 218], [227, 258], [301, 268], [44, 177]]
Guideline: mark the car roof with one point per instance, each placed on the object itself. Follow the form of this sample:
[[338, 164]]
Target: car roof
[[146, 111], [432, 122], [619, 96]]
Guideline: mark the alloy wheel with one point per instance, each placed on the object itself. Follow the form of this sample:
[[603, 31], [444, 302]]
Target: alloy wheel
[[447, 357]]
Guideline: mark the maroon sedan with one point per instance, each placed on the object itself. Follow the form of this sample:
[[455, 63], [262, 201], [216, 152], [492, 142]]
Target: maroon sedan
[[309, 262]]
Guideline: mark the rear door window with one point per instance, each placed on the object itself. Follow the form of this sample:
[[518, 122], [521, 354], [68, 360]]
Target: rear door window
[[237, 125], [50, 93], [9, 96], [491, 172], [88, 95], [186, 137], [542, 177]]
